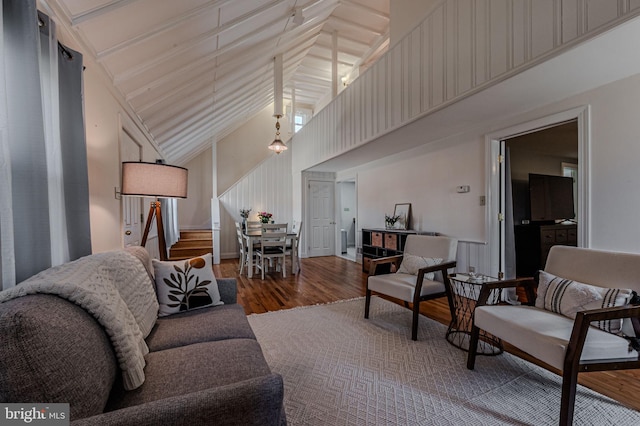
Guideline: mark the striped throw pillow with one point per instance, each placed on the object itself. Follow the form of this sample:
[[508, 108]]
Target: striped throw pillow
[[567, 297]]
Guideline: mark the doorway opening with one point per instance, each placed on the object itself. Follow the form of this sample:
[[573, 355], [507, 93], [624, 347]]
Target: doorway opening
[[504, 213], [541, 190], [346, 217]]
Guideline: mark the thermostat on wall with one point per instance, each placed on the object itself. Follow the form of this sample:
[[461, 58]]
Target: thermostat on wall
[[463, 188]]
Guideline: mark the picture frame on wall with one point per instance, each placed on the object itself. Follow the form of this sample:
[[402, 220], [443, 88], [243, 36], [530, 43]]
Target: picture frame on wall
[[404, 213]]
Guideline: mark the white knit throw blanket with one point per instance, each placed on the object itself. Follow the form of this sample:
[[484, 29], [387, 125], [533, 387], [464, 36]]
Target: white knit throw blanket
[[93, 283]]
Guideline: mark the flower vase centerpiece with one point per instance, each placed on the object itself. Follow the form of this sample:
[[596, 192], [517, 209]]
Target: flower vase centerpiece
[[244, 214], [390, 221], [264, 217]]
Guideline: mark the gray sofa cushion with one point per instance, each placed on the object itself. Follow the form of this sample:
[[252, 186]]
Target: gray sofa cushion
[[53, 351], [252, 402], [200, 325], [193, 368]]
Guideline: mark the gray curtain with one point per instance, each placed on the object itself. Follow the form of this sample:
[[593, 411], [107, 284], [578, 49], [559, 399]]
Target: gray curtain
[[44, 219]]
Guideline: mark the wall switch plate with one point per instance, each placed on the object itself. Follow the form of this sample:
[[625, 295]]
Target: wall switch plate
[[462, 189], [483, 200]]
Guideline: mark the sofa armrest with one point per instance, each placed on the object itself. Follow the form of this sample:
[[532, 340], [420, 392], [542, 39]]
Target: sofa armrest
[[228, 288], [257, 401], [373, 267]]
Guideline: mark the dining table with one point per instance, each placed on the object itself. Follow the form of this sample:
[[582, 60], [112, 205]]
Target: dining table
[[253, 237]]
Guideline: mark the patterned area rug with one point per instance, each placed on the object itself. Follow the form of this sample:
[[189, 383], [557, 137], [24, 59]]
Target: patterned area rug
[[340, 369]]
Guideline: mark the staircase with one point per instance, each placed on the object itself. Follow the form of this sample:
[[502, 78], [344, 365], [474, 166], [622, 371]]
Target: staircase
[[192, 243]]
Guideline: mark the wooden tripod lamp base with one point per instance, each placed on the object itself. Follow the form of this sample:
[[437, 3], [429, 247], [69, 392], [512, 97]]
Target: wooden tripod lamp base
[[155, 211]]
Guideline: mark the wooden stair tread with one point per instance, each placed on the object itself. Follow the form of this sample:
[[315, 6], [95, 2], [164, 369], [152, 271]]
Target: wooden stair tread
[[192, 243]]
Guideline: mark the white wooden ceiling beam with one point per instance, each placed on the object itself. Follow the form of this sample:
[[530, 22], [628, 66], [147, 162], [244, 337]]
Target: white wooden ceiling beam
[[354, 24], [376, 49], [366, 8], [170, 54], [98, 11], [259, 50], [148, 65], [210, 125], [229, 102], [343, 36], [160, 29], [325, 59]]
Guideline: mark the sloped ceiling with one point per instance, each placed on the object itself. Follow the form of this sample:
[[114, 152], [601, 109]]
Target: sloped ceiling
[[196, 70]]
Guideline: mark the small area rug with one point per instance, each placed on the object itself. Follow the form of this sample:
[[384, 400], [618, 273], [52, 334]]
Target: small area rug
[[340, 369]]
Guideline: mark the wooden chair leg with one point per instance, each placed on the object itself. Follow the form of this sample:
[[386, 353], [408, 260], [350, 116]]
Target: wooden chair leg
[[567, 403], [284, 268], [473, 347], [406, 304], [367, 303], [414, 323]]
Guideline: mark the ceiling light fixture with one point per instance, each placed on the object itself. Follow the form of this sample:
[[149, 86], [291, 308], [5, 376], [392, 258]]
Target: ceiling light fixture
[[277, 145]]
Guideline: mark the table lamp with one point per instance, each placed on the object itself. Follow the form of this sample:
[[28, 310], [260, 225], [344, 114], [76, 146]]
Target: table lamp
[[156, 180]]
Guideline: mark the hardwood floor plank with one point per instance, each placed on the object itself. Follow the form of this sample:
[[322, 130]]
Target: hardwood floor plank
[[329, 279]]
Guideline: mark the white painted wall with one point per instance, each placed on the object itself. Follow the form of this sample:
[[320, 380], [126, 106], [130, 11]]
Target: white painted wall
[[427, 176], [245, 148], [405, 15], [194, 212], [104, 117]]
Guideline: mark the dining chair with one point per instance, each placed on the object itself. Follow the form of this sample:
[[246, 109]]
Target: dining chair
[[253, 225], [242, 243], [272, 246], [275, 227], [293, 246]]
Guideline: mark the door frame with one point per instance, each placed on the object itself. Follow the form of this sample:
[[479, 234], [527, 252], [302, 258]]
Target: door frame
[[317, 177], [494, 227], [121, 135], [338, 215]]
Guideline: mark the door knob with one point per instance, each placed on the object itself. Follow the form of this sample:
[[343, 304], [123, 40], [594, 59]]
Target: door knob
[[127, 233]]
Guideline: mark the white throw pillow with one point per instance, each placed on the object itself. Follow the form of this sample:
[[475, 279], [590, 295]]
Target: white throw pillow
[[411, 264], [567, 297], [184, 285]]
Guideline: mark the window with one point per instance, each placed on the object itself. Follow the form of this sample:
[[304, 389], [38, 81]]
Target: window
[[301, 117]]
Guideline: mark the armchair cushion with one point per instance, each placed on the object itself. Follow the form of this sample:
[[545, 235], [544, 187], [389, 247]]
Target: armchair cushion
[[411, 264], [403, 286], [567, 297], [545, 334]]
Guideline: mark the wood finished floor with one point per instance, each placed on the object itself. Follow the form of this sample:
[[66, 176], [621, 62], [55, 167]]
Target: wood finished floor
[[328, 279]]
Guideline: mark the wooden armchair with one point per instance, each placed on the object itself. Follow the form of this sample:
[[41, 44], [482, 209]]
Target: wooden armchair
[[570, 345], [415, 280]]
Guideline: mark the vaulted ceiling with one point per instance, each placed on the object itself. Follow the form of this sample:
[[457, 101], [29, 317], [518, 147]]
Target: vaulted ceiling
[[196, 70]]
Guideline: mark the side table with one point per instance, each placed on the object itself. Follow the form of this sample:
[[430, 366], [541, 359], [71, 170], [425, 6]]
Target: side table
[[465, 290]]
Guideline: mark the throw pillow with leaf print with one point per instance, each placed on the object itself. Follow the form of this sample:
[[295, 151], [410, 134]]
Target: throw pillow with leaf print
[[184, 285]]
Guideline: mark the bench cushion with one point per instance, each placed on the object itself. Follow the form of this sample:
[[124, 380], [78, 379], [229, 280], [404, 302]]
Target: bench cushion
[[545, 334], [403, 286]]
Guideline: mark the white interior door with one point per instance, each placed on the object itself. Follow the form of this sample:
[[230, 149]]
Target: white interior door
[[322, 220], [131, 206]]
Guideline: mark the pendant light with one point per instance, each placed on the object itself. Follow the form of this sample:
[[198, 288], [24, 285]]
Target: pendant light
[[277, 145]]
